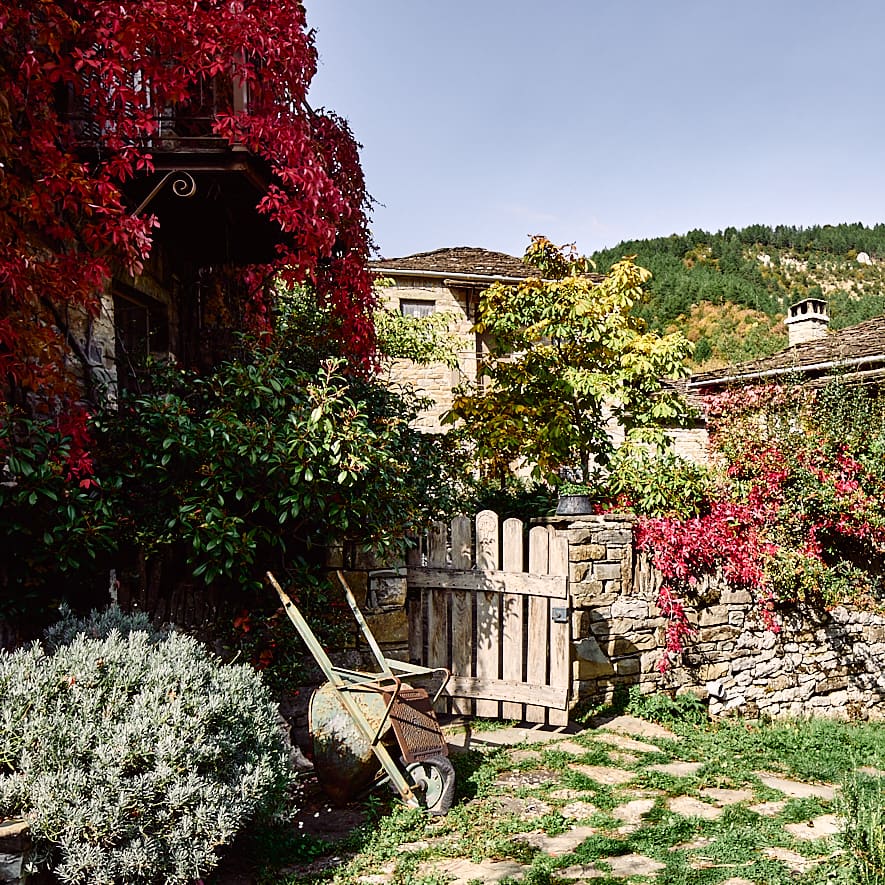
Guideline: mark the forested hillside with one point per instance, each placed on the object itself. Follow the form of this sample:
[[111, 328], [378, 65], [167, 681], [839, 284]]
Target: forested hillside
[[729, 291]]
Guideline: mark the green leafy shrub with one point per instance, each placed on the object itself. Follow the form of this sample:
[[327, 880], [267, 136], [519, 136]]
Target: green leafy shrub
[[862, 807], [135, 758], [665, 710], [55, 517], [512, 497], [657, 483]]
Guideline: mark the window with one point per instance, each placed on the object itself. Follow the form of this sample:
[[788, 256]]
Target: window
[[415, 308], [142, 328]]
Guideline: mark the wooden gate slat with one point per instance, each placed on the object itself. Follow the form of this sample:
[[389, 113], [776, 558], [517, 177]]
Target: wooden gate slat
[[437, 629], [488, 619], [560, 633], [436, 544], [462, 548], [512, 617], [415, 608], [462, 612], [415, 612], [536, 645]]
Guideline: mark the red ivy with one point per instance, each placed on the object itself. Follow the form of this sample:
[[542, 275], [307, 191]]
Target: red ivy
[[65, 222]]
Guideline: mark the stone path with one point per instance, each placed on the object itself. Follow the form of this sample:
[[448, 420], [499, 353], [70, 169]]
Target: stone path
[[613, 806], [796, 789]]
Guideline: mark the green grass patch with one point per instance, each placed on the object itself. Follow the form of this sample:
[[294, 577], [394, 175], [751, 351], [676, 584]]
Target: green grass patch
[[694, 851]]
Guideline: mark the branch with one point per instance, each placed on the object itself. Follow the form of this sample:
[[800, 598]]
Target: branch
[[95, 372]]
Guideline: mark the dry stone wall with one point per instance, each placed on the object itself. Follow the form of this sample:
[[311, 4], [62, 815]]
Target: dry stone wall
[[380, 591], [819, 663], [823, 663]]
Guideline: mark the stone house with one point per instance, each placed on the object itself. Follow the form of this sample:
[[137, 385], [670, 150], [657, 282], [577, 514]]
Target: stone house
[[444, 281], [814, 356]]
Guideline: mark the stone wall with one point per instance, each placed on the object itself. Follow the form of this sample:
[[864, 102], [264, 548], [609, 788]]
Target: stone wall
[[435, 381], [380, 591], [691, 443], [823, 663]]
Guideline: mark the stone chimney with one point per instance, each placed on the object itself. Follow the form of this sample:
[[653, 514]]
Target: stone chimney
[[807, 320]]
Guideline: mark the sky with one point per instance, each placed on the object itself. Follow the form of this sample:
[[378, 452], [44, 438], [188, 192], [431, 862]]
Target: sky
[[486, 121]]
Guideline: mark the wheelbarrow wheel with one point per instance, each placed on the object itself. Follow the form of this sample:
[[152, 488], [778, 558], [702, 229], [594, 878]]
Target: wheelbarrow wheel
[[434, 781]]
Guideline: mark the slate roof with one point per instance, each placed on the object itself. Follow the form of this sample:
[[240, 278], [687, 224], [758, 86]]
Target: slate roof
[[459, 260], [856, 349]]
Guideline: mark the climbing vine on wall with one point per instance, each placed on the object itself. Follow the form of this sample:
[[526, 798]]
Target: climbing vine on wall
[[796, 510], [82, 84]]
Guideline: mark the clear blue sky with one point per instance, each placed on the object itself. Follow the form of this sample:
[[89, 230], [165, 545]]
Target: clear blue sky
[[485, 121]]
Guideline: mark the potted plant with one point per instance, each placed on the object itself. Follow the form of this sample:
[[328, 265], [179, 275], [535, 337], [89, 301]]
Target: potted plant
[[575, 499]]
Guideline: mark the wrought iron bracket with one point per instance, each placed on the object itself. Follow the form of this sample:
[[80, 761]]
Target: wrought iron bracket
[[183, 185]]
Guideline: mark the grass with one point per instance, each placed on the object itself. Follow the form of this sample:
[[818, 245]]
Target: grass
[[693, 850]]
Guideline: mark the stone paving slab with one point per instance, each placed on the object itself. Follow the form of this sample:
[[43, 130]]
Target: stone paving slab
[[420, 845], [678, 768], [722, 796], [604, 775], [769, 809], [738, 881], [631, 725], [797, 789], [631, 813], [690, 807], [622, 866], [622, 742], [578, 810], [568, 795], [556, 846], [534, 778], [465, 871], [790, 859], [818, 828], [517, 756], [628, 760], [382, 877], [521, 807], [460, 738], [625, 865], [580, 871], [573, 748]]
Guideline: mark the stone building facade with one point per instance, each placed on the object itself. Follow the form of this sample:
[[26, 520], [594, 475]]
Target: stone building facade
[[446, 281]]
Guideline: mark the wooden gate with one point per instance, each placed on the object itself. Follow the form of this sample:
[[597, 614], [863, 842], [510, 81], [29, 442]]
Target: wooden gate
[[498, 619]]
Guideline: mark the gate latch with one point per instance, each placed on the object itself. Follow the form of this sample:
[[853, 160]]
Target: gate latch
[[559, 615]]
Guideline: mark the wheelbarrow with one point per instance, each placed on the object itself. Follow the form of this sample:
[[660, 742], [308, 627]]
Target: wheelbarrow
[[358, 720]]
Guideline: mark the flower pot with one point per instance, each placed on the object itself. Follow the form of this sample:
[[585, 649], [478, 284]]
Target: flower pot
[[574, 505]]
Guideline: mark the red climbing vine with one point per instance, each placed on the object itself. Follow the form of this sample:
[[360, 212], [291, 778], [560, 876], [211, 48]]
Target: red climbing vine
[[81, 82], [794, 509]]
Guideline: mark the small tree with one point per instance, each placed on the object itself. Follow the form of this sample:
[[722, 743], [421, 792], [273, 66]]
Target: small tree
[[567, 357]]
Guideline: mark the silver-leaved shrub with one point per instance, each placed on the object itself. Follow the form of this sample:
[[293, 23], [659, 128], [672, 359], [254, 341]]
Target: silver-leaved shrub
[[135, 758]]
